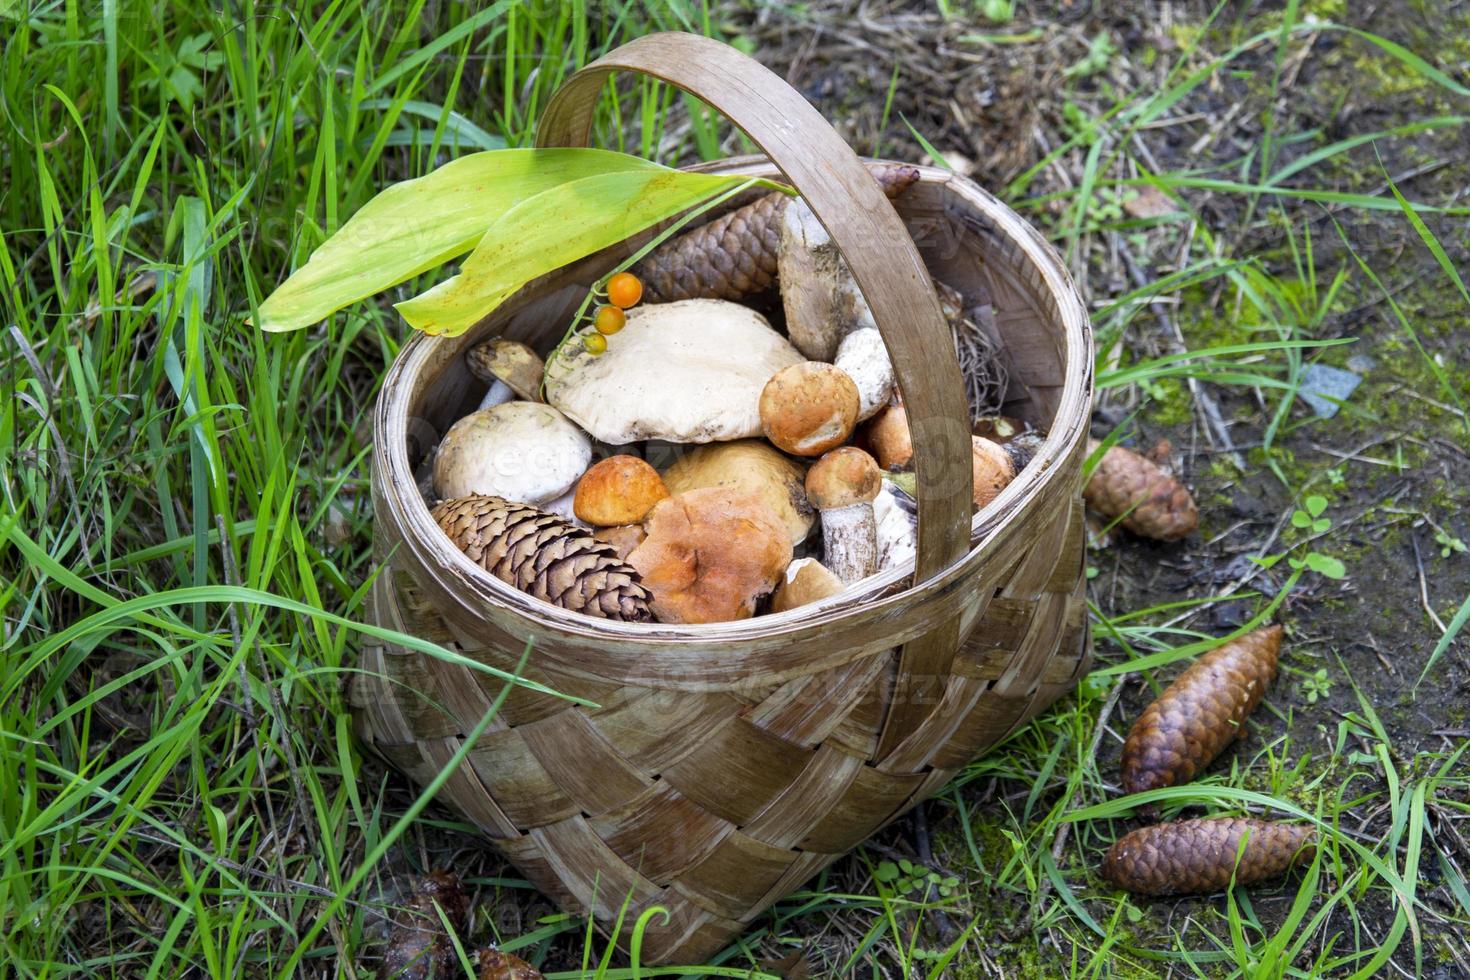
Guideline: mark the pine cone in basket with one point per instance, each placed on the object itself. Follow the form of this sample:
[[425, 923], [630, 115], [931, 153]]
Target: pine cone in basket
[[1200, 713], [1196, 857], [545, 556], [734, 256]]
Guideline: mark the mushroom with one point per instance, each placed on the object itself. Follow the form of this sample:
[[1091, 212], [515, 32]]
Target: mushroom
[[623, 539], [809, 408], [513, 370], [753, 466], [898, 534], [710, 555], [863, 356], [888, 435], [690, 371], [992, 467], [821, 300], [618, 490], [806, 580], [526, 452], [842, 485]]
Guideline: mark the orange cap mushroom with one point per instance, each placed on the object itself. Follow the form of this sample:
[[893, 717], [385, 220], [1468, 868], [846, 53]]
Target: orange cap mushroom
[[710, 555], [809, 408], [842, 485], [993, 469], [888, 434], [618, 490]]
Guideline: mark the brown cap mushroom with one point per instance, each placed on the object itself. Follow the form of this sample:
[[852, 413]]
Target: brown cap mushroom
[[513, 370], [623, 539], [809, 408], [710, 555], [842, 485], [888, 434], [618, 490], [806, 580], [754, 466], [992, 468]]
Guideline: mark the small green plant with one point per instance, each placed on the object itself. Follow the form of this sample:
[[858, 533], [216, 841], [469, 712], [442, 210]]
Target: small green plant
[[998, 11], [1449, 544], [1316, 685], [903, 877], [1309, 517], [1100, 52]]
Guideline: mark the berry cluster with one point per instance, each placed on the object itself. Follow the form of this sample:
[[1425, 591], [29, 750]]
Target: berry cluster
[[624, 290]]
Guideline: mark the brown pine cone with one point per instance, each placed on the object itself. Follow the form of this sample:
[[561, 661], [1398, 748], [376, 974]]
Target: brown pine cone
[[495, 965], [734, 256], [1200, 713], [1196, 857], [545, 556], [1165, 510], [418, 947]]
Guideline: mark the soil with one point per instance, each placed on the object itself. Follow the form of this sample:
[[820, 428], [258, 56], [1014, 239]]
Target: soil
[[1393, 463]]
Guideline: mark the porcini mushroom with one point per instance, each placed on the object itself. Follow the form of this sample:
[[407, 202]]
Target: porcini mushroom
[[806, 580], [690, 371], [992, 467], [522, 451], [864, 358], [618, 490], [809, 408], [624, 539], [842, 485], [898, 533], [513, 369], [753, 466], [820, 298], [710, 555], [888, 435]]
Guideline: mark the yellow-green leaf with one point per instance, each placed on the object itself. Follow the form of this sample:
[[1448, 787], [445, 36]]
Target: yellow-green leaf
[[557, 226], [418, 224]]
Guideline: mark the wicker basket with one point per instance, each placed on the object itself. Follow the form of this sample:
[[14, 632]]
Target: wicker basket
[[726, 764]]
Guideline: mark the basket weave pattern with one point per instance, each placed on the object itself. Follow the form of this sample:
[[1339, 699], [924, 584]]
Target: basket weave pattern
[[713, 804], [717, 768]]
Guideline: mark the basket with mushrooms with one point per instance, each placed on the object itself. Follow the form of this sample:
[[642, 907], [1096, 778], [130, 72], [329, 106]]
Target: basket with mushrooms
[[744, 532], [799, 426]]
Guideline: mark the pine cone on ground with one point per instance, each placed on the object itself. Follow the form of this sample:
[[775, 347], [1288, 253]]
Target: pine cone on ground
[[1198, 856], [1147, 497], [545, 556], [734, 256], [1200, 713]]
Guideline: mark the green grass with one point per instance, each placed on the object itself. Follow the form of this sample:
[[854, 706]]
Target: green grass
[[185, 540]]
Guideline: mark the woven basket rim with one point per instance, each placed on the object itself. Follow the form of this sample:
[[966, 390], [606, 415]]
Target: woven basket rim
[[1005, 515]]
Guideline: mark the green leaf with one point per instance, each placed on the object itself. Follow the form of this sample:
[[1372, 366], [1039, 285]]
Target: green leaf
[[1299, 518], [557, 226], [413, 226], [1315, 505], [1326, 565]]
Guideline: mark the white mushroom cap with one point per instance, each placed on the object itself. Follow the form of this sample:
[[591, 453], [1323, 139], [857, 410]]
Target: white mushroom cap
[[864, 358], [690, 371], [522, 451]]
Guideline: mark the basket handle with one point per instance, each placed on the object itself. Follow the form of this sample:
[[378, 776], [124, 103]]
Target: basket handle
[[886, 266]]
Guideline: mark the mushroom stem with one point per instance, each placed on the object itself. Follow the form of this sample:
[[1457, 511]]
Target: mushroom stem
[[498, 394], [851, 540], [863, 356]]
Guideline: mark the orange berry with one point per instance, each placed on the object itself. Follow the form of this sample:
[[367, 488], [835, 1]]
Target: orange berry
[[609, 320], [624, 290], [595, 343]]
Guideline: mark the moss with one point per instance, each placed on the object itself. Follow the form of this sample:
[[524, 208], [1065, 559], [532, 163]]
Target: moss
[[1170, 402]]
